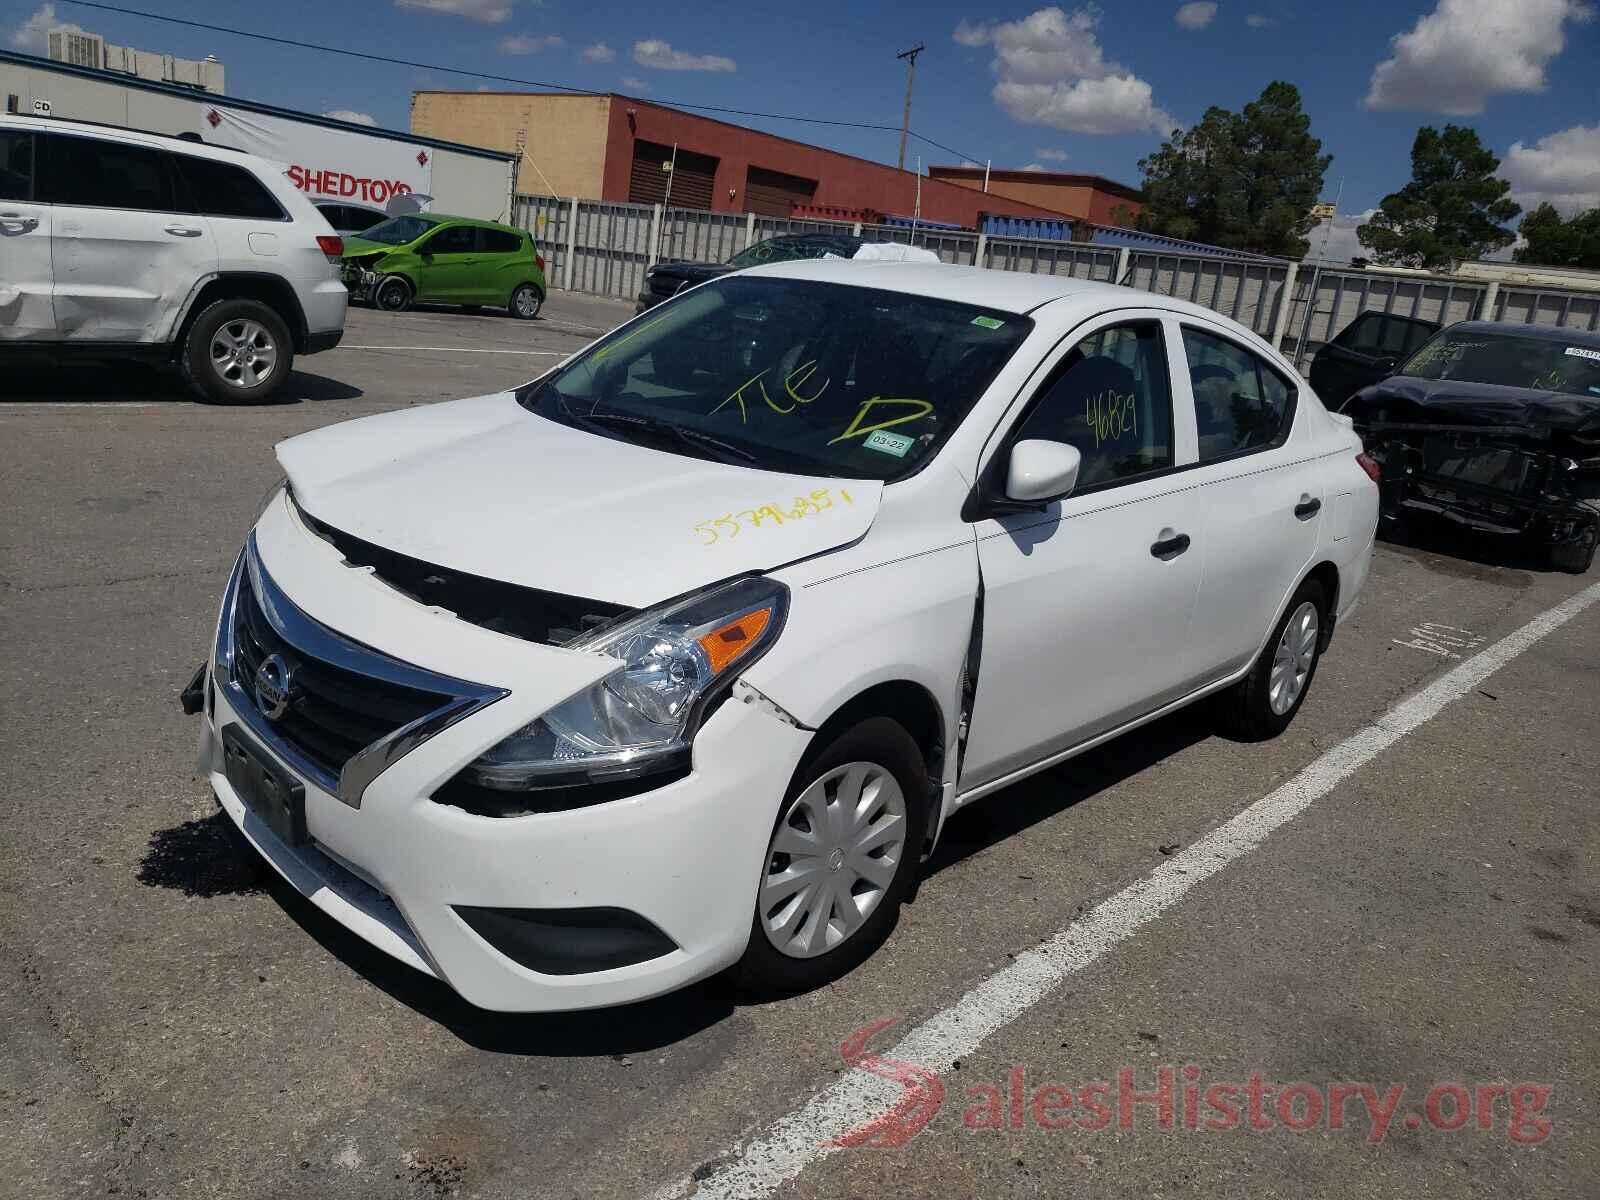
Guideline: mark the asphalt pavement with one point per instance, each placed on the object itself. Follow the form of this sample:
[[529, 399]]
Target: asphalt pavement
[[1413, 902]]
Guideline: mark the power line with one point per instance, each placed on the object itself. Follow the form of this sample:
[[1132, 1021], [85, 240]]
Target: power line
[[488, 76]]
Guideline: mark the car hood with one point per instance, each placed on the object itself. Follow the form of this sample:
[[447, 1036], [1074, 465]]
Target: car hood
[[486, 487], [695, 271], [359, 245], [1455, 402]]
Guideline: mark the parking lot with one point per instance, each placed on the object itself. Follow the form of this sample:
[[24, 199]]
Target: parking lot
[[1417, 903]]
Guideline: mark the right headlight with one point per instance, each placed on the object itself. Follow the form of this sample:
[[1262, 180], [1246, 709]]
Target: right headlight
[[673, 662]]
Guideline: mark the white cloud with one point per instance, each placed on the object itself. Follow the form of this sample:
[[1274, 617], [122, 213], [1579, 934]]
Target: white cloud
[[1258, 21], [631, 84], [1465, 51], [653, 52], [1051, 70], [1562, 168], [1196, 15], [597, 53], [1339, 237], [1051, 155], [527, 43], [30, 35], [349, 114], [1035, 167], [490, 12]]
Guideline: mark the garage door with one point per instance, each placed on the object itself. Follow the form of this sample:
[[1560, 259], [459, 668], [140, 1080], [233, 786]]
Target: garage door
[[771, 193], [691, 181]]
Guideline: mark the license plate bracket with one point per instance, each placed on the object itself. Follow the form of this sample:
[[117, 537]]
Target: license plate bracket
[[266, 788]]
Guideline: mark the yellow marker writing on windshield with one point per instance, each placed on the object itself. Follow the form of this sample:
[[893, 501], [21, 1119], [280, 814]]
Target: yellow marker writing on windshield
[[605, 352], [857, 429]]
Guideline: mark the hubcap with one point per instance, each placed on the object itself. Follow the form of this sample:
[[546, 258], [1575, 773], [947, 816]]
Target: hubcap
[[243, 352], [832, 859], [392, 295], [1291, 663], [527, 302]]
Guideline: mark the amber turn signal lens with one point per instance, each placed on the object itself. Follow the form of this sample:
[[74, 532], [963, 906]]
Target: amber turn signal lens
[[727, 642]]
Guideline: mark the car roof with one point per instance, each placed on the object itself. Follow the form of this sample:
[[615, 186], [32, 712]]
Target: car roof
[[1543, 333], [441, 218], [138, 137], [1006, 291]]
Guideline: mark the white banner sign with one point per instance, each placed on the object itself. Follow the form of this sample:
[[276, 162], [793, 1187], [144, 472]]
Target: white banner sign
[[326, 164]]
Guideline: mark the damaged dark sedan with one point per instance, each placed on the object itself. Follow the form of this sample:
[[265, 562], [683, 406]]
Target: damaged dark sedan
[[1495, 427]]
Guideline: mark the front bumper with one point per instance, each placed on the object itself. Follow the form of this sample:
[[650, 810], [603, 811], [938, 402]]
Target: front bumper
[[398, 868]]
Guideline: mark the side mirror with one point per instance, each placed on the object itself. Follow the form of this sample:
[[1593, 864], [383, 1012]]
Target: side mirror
[[1041, 471], [1386, 365]]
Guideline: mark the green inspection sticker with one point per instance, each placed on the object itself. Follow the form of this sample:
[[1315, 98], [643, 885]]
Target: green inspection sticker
[[988, 322], [888, 443]]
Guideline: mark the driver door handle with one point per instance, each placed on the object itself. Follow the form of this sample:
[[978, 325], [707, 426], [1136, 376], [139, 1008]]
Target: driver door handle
[[184, 231], [17, 223], [1170, 545], [1308, 507]]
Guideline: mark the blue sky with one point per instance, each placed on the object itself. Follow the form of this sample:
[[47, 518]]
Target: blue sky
[[1072, 87]]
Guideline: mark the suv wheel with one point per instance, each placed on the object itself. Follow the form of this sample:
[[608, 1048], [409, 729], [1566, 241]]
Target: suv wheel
[[393, 294], [526, 302], [840, 860], [237, 352], [1262, 704]]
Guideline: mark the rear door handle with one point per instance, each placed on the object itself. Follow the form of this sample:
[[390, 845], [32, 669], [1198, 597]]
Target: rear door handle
[[1308, 507], [18, 223], [1170, 545], [184, 231]]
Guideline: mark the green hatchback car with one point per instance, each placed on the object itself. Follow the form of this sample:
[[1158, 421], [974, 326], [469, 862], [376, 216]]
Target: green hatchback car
[[435, 259]]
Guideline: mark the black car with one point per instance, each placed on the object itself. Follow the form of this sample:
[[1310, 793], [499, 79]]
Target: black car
[[1495, 427], [667, 279], [1366, 350]]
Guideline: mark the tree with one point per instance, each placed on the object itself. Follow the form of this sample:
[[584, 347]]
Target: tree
[[1552, 242], [1245, 180], [1453, 209]]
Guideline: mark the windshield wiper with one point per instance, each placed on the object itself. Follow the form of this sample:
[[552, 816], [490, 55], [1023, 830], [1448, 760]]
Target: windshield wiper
[[688, 437]]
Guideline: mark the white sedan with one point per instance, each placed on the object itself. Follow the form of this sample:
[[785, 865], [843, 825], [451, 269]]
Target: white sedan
[[679, 657]]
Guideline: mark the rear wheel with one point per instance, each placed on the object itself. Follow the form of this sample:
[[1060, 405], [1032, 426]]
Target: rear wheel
[[840, 860], [1262, 704], [237, 352], [1575, 557], [526, 302]]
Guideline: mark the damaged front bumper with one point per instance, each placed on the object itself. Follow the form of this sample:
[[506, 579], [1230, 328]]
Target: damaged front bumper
[[359, 280]]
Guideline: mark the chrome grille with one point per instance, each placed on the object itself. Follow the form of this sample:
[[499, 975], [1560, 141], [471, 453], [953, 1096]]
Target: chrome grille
[[351, 711]]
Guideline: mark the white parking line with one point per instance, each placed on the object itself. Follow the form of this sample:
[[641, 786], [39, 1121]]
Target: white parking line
[[795, 1141], [465, 350]]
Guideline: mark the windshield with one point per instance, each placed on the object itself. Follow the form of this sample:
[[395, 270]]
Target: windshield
[[785, 249], [1478, 356], [397, 231], [788, 375]]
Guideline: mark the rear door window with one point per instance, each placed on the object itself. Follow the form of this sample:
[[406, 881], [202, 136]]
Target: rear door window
[[499, 241], [221, 189], [1241, 404], [91, 173], [16, 165]]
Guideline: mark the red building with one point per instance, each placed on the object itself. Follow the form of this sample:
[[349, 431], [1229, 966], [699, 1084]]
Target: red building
[[1091, 198], [613, 147]]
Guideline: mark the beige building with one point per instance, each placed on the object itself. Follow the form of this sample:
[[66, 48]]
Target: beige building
[[565, 136]]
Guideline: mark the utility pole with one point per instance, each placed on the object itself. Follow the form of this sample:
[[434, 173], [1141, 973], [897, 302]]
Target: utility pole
[[911, 74]]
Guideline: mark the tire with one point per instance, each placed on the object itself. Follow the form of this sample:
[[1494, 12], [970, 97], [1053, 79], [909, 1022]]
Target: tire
[[876, 752], [1574, 557], [393, 294], [1252, 710], [526, 302], [256, 334]]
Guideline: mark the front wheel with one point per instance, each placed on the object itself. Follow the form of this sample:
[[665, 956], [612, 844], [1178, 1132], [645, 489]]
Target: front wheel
[[237, 352], [1262, 704], [1577, 556], [392, 294], [840, 860], [526, 302]]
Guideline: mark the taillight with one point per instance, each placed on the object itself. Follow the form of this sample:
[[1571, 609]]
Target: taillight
[[539, 258], [332, 245], [1370, 465]]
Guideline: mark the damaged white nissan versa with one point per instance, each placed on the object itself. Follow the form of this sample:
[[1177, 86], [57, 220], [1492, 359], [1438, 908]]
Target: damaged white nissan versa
[[677, 658]]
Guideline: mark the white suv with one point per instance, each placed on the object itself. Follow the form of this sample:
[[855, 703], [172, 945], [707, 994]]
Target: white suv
[[120, 244]]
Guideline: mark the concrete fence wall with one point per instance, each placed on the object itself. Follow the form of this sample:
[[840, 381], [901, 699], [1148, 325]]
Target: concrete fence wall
[[593, 246]]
